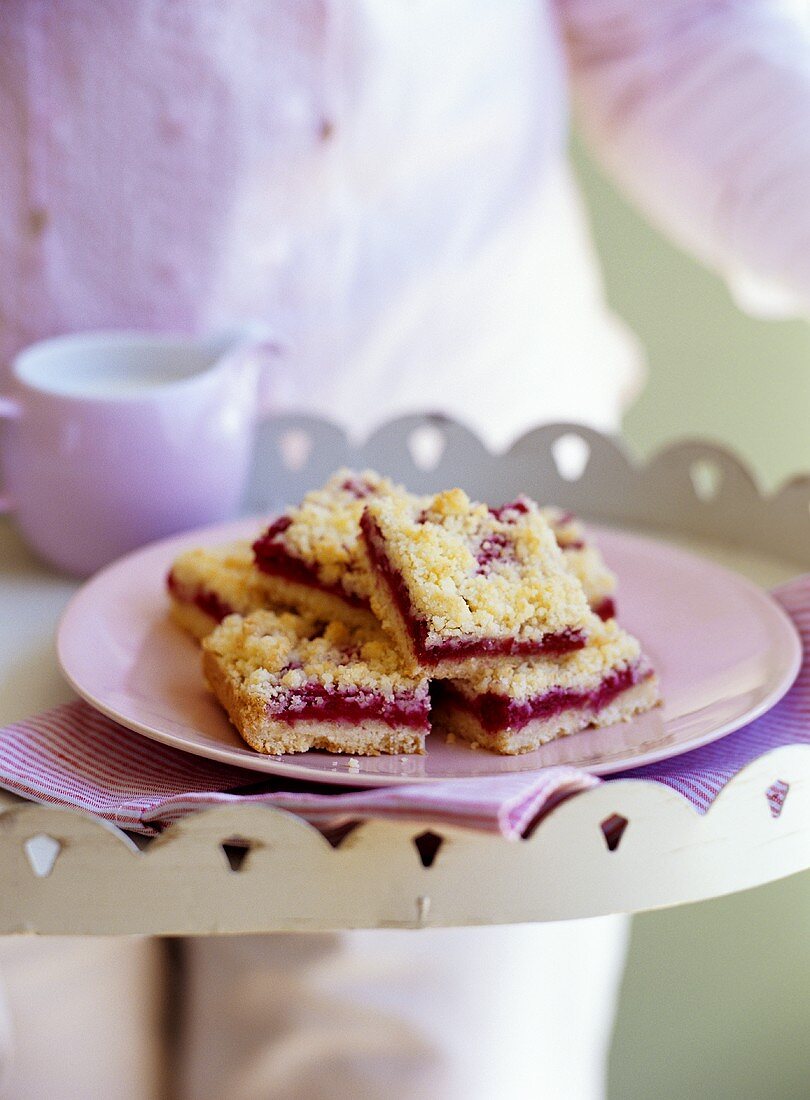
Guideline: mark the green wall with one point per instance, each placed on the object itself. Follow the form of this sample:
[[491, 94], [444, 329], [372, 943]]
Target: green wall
[[713, 372]]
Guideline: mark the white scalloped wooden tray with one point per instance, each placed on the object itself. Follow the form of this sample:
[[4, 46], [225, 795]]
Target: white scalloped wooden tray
[[248, 869]]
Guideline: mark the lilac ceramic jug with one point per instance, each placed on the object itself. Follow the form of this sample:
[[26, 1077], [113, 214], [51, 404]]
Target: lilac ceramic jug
[[111, 440]]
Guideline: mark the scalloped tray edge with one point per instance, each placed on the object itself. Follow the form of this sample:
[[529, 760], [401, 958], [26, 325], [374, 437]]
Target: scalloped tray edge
[[668, 854]]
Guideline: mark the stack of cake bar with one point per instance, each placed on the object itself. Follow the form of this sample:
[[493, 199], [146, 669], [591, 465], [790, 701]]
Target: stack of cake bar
[[365, 616]]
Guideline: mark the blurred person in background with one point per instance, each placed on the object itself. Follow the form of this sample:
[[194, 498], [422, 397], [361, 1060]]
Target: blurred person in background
[[384, 185]]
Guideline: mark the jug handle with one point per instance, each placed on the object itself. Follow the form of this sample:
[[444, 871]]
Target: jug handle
[[9, 410], [269, 354], [264, 351], [256, 343]]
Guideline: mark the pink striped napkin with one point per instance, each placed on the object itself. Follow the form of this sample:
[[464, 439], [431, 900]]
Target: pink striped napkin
[[74, 756]]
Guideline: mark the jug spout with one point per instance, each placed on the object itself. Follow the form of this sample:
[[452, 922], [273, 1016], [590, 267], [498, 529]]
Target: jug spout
[[235, 338]]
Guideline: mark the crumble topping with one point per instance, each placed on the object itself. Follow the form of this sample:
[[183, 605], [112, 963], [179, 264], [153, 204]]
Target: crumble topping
[[323, 531], [609, 649], [583, 558], [588, 566], [272, 653], [226, 572], [470, 569], [567, 528]]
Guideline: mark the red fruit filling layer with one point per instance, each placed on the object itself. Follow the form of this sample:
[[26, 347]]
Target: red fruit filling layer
[[606, 608], [273, 558], [318, 703], [206, 601], [499, 712], [417, 628]]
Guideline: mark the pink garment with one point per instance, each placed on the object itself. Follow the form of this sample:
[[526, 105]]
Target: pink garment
[[394, 207], [80, 1018], [522, 1012], [384, 185], [374, 1015], [701, 108]]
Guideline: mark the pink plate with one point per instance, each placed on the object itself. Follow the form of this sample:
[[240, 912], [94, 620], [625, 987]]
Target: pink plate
[[724, 650]]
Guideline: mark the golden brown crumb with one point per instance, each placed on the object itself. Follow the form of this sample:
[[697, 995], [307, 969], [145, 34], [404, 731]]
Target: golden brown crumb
[[566, 527], [588, 566], [581, 556], [272, 652], [325, 528], [226, 572]]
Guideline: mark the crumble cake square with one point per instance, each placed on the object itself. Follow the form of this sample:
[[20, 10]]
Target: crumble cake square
[[455, 583], [290, 683], [206, 585], [310, 559], [512, 708]]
